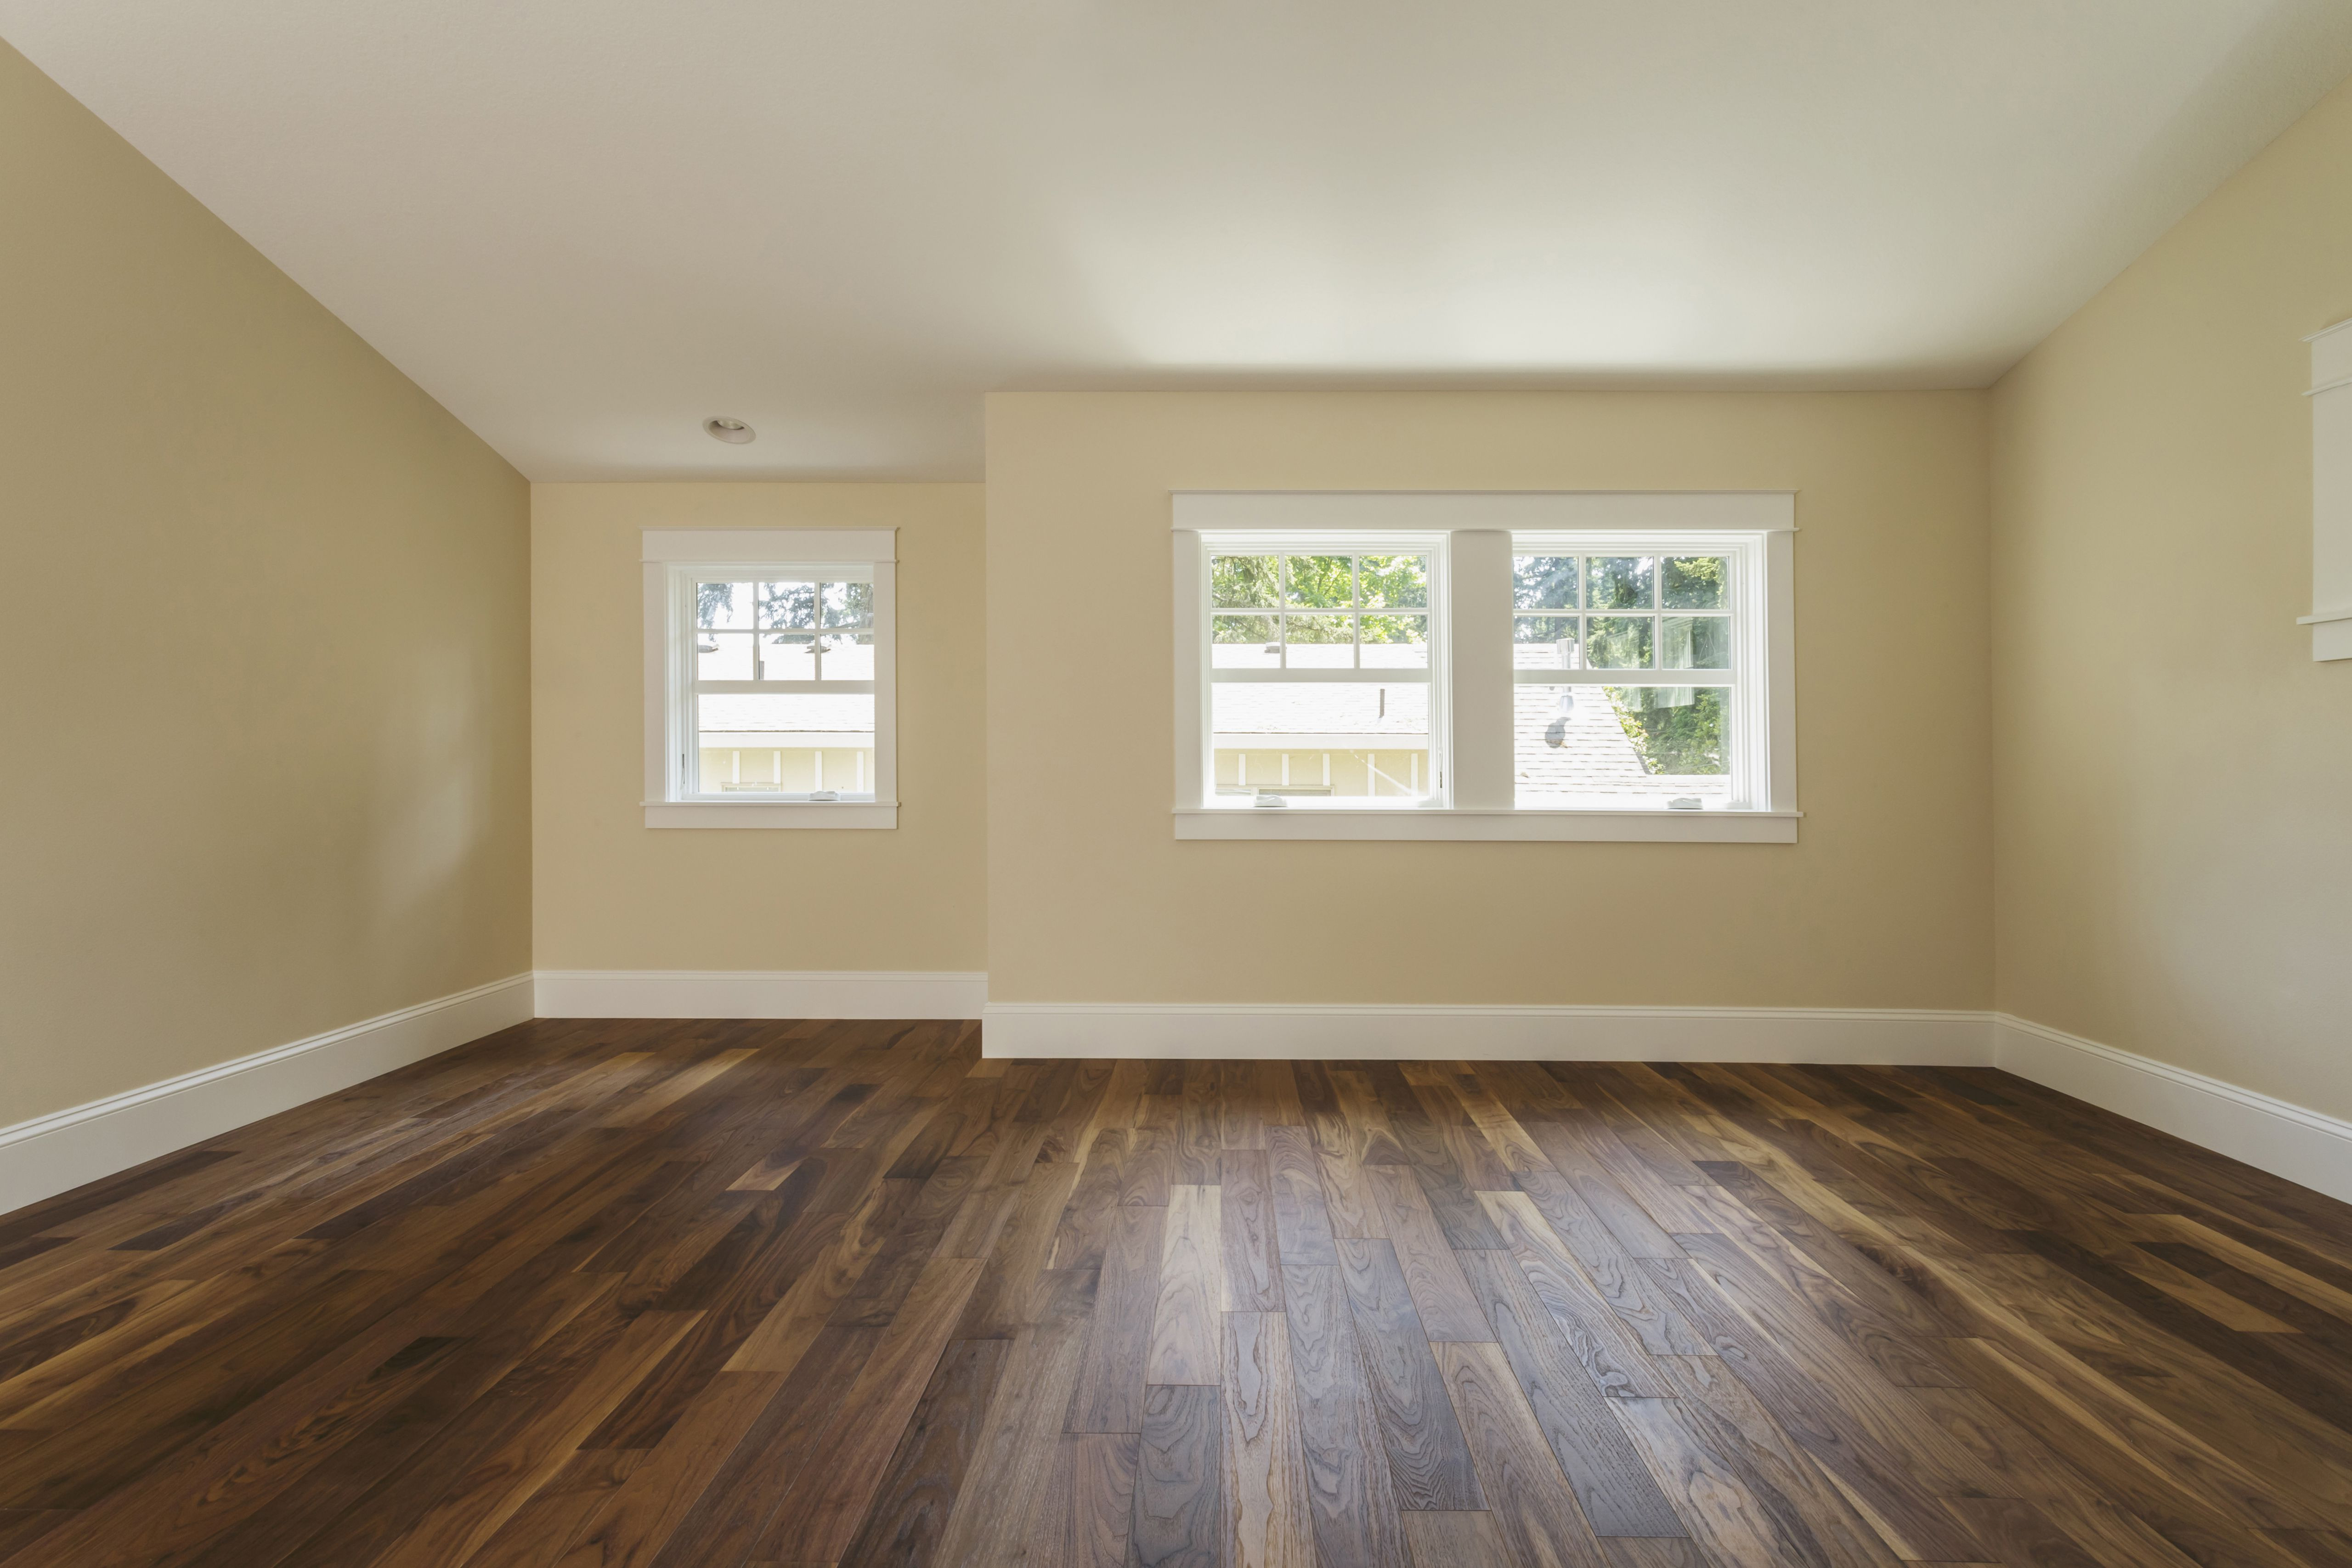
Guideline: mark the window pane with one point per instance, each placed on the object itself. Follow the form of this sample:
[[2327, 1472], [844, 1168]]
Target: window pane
[[1393, 583], [1620, 582], [1677, 729], [1319, 581], [1312, 740], [1244, 643], [722, 655], [1320, 641], [790, 744], [846, 655], [1617, 642], [1394, 642], [722, 604], [789, 657], [798, 718], [788, 604], [1276, 710], [1244, 581], [1544, 581], [1695, 643], [1695, 581], [1631, 748], [849, 604], [1544, 643]]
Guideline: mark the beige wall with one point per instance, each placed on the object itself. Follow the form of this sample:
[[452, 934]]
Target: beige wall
[[613, 894], [248, 553], [244, 549], [2174, 784], [1884, 901]]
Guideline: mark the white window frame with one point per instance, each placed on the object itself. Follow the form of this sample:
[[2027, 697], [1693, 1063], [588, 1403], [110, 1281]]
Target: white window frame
[[2331, 493], [1433, 544], [673, 560], [1471, 654]]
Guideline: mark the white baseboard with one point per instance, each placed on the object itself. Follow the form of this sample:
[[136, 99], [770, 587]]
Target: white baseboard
[[2272, 1135], [1916, 1038], [760, 994], [52, 1153], [49, 1155]]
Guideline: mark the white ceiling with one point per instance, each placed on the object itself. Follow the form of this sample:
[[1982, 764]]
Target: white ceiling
[[585, 224]]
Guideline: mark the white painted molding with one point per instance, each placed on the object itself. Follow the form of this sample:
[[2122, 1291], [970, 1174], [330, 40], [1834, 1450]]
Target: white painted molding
[[1639, 510], [766, 545], [52, 1153], [1840, 1036], [1664, 827], [760, 994], [2276, 1135], [2331, 493], [815, 814]]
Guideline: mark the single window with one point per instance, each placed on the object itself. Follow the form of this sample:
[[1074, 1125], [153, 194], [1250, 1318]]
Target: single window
[[1627, 691], [769, 682], [1320, 660], [1565, 666]]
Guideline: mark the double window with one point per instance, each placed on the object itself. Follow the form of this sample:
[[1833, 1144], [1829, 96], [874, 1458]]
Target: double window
[[1484, 666], [770, 678]]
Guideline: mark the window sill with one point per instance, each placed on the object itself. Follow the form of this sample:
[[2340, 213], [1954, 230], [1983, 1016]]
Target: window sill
[[1571, 826], [771, 814]]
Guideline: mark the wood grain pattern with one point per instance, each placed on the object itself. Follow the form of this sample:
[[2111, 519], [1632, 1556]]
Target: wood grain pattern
[[1616, 1361], [1452, 1540], [1265, 1469], [1571, 1405], [1740, 1520], [1019, 1453], [1427, 1456], [1185, 1339], [914, 1498], [1302, 1215], [1440, 1297], [841, 1485], [718, 1294], [624, 1515], [1525, 1489], [1006, 1296], [1351, 1497], [1078, 1234], [1253, 1265], [1108, 1395], [1088, 1510], [1613, 1274], [1734, 1422], [1180, 1516]]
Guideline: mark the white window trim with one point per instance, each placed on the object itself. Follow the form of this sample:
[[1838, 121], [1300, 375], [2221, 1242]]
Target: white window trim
[[2331, 493], [672, 556], [1478, 803], [1440, 610]]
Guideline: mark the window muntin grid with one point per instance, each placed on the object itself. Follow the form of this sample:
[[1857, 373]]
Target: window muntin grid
[[779, 695], [762, 632], [1637, 617], [1363, 612], [1636, 646], [1324, 670]]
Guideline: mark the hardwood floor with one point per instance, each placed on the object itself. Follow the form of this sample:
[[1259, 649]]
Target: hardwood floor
[[700, 1295]]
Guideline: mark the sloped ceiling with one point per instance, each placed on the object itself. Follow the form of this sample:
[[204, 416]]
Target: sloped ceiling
[[586, 225]]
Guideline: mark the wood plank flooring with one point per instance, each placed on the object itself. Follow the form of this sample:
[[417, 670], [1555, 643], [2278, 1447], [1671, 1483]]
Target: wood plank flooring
[[714, 1295]]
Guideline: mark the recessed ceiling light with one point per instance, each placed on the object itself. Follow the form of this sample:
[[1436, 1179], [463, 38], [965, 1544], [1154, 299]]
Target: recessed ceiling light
[[733, 432]]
